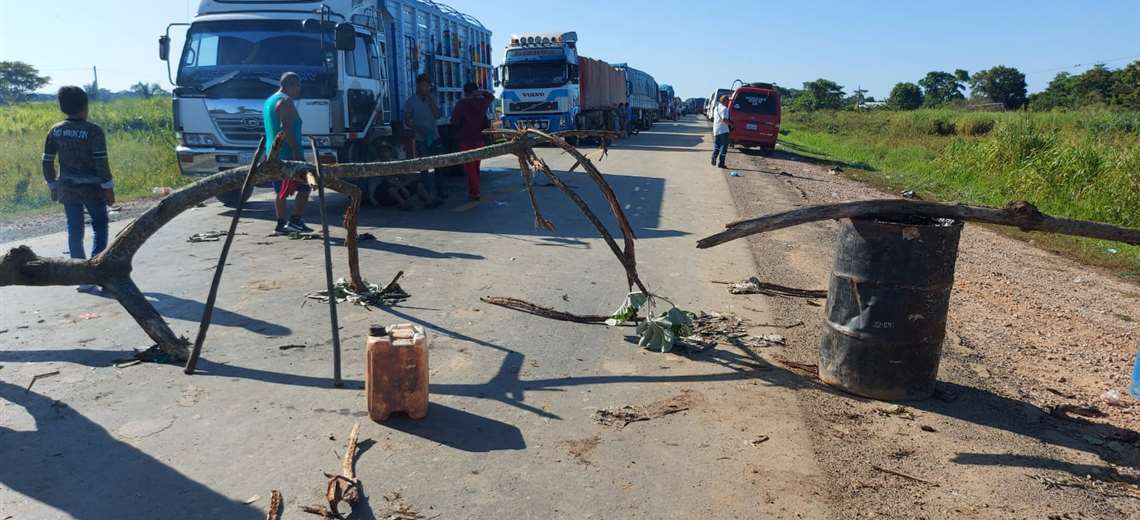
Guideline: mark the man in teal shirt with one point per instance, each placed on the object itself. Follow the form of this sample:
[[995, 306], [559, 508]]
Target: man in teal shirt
[[281, 116]]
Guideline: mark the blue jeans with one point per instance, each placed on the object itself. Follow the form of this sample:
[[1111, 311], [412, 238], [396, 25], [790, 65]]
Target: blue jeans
[[97, 208], [428, 178], [720, 148]]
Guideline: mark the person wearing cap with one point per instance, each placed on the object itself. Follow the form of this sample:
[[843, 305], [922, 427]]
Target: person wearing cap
[[721, 126]]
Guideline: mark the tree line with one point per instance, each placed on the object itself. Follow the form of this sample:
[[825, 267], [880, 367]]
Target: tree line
[[19, 81], [1000, 86]]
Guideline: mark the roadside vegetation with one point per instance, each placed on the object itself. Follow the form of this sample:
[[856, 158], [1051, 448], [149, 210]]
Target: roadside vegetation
[[140, 140], [1073, 149], [1083, 165]]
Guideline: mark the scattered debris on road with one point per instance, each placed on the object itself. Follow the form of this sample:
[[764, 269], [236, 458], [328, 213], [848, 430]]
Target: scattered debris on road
[[399, 510], [538, 310], [760, 439], [753, 285], [209, 236], [903, 475], [291, 347], [623, 416], [580, 449], [374, 296], [344, 487], [40, 376]]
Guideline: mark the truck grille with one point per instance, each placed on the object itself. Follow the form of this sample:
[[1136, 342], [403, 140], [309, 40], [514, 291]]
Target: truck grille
[[241, 128], [534, 106]]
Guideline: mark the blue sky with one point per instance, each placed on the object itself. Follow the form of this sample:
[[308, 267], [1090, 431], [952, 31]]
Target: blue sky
[[696, 46]]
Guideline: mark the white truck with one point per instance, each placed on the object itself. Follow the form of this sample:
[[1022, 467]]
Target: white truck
[[358, 60]]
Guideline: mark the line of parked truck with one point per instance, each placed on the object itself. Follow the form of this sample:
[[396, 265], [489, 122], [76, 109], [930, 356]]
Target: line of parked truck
[[358, 60], [753, 114]]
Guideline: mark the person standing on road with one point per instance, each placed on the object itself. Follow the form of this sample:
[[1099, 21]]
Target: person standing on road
[[721, 126], [469, 120], [421, 113], [281, 117], [84, 181]]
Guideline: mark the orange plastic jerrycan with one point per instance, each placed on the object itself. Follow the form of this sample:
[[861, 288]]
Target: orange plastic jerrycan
[[396, 371]]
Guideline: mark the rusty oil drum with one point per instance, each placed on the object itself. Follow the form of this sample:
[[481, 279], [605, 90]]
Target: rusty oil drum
[[887, 305]]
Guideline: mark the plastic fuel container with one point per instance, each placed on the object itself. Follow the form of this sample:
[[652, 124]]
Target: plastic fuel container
[[396, 371]]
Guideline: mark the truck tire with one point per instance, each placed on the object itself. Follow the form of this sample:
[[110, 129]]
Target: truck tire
[[230, 199]]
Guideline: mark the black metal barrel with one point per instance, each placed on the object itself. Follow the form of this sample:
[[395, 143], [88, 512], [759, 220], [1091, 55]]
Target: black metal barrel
[[887, 305]]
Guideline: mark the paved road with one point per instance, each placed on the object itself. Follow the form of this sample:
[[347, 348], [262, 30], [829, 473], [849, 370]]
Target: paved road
[[509, 433]]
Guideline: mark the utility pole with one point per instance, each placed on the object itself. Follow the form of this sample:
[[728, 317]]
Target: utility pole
[[94, 94]]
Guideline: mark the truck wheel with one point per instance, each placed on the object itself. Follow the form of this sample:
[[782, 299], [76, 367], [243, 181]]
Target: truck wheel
[[231, 199]]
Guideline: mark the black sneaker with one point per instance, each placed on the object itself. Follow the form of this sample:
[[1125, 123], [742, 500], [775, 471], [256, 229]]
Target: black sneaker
[[297, 225], [282, 228]]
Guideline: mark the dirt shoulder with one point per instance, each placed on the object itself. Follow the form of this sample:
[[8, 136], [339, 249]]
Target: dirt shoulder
[[1018, 428]]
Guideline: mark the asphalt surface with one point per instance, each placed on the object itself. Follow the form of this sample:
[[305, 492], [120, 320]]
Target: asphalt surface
[[509, 433]]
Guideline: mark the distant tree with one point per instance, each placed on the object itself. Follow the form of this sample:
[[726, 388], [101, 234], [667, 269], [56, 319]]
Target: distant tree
[[1005, 85], [905, 96], [1126, 93], [940, 88], [821, 94], [1095, 86], [788, 95], [17, 80], [962, 75], [147, 90], [1058, 94]]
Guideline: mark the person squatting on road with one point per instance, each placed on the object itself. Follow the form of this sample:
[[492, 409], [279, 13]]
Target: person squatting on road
[[721, 126], [84, 181], [469, 119], [421, 113], [281, 116]]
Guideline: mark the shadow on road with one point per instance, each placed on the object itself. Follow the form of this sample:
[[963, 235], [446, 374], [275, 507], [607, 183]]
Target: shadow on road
[[72, 464], [461, 430], [177, 308], [407, 249], [794, 152]]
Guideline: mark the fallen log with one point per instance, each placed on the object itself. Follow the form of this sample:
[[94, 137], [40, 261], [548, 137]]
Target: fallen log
[[1019, 214]]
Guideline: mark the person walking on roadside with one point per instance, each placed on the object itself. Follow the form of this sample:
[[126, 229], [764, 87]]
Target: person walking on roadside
[[469, 119], [421, 113], [721, 126], [281, 117], [84, 181]]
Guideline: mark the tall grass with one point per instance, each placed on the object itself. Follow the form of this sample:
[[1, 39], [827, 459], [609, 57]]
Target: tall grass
[[1082, 165], [140, 142]]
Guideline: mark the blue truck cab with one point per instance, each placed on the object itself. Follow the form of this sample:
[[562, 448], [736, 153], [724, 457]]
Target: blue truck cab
[[539, 76]]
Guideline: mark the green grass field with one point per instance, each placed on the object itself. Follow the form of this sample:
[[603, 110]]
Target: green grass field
[[1082, 165], [140, 143]]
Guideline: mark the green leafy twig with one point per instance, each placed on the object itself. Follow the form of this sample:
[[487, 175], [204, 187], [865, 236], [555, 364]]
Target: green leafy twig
[[659, 331]]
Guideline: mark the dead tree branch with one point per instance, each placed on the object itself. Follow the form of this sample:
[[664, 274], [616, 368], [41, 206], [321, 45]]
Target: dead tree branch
[[1019, 214], [538, 310]]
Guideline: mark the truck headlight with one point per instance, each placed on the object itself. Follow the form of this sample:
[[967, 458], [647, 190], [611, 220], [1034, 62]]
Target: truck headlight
[[199, 140], [321, 140]]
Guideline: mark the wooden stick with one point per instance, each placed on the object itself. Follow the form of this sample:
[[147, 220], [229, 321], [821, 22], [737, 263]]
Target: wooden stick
[[904, 475], [274, 512], [1019, 214], [212, 298], [328, 266], [538, 310]]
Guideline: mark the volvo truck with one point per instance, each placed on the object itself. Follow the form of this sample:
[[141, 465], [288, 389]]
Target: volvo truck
[[358, 60], [548, 86]]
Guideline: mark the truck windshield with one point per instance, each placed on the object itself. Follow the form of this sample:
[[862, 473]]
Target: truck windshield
[[535, 75], [760, 103], [244, 58]]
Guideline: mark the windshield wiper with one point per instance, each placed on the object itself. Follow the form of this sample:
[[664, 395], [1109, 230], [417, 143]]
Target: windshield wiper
[[217, 81]]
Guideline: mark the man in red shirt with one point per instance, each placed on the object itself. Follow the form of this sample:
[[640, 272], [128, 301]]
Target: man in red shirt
[[469, 119]]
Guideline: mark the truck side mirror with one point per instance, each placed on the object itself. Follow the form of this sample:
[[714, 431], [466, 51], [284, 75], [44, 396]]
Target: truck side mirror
[[496, 77], [575, 78], [345, 37], [164, 48]]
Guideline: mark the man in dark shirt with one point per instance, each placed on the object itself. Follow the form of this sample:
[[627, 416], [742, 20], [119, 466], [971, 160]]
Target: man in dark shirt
[[469, 119], [84, 181]]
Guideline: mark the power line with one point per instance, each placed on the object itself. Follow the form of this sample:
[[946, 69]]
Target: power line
[[1079, 65]]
